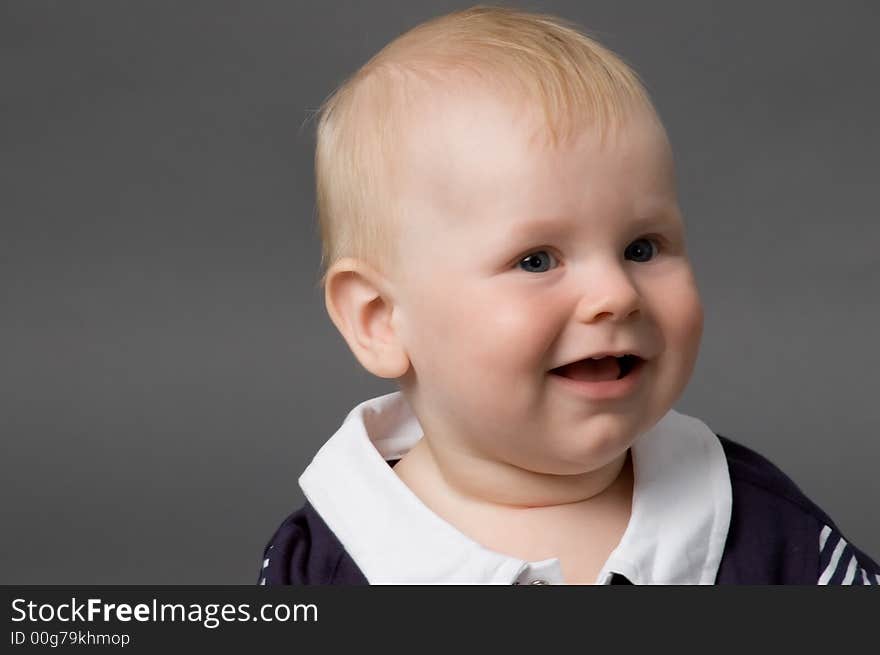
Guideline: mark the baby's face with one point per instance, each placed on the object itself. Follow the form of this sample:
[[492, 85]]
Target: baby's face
[[518, 259]]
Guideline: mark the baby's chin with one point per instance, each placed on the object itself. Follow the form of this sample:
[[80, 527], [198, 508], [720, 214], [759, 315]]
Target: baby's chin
[[581, 458], [570, 482]]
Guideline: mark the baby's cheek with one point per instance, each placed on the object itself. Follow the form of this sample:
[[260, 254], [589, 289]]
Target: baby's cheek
[[690, 323], [455, 332], [680, 311], [510, 336], [684, 329]]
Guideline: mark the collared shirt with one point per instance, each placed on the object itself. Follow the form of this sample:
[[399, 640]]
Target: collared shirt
[[697, 497]]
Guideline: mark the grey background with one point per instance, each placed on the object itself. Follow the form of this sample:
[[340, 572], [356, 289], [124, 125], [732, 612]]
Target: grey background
[[167, 368]]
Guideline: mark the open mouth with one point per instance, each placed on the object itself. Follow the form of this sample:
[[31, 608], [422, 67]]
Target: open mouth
[[600, 370]]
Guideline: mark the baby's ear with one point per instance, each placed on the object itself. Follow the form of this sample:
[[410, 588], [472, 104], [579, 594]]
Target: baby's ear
[[362, 312]]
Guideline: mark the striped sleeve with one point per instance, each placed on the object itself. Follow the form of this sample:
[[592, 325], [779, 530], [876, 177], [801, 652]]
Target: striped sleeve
[[267, 554], [842, 563]]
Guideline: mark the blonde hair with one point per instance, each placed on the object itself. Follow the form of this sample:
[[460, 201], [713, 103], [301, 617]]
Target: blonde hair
[[362, 123]]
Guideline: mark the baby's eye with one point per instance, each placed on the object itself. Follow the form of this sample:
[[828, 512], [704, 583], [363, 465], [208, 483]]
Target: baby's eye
[[535, 260], [642, 248]]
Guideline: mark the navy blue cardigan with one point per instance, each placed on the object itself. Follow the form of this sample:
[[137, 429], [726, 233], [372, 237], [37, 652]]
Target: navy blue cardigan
[[773, 538]]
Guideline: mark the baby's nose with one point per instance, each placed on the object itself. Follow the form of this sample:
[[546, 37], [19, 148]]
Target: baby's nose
[[611, 296]]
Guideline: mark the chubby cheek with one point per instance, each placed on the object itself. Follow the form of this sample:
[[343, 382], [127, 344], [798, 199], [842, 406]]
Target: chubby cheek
[[686, 325], [474, 340], [681, 320]]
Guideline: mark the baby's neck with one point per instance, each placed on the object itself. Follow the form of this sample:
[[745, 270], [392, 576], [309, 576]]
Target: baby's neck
[[581, 528], [466, 481]]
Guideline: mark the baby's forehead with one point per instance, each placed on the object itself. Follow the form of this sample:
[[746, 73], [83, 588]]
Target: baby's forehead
[[468, 112], [505, 135], [466, 108], [452, 122]]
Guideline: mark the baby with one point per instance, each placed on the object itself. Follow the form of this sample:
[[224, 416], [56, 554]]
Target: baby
[[502, 238]]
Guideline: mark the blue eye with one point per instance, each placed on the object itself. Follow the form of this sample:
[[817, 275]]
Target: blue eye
[[640, 251], [534, 259]]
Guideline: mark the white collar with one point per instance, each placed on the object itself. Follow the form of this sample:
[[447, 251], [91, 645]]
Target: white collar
[[676, 533]]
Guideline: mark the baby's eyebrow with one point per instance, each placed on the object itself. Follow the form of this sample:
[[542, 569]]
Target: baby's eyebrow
[[664, 218], [556, 225]]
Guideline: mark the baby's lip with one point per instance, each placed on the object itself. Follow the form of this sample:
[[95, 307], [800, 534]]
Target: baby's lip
[[636, 353]]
